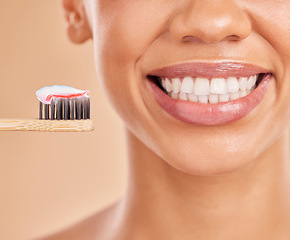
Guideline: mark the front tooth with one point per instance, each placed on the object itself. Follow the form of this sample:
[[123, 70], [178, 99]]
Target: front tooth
[[183, 96], [187, 85], [213, 98], [192, 97], [233, 84], [168, 85], [224, 97], [243, 83], [176, 85], [218, 86], [243, 93], [203, 98], [201, 86], [235, 95]]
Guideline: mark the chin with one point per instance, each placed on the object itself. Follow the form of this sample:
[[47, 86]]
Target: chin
[[211, 160], [209, 165]]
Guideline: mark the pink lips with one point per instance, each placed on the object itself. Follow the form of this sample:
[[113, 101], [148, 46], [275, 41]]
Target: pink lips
[[210, 114], [220, 69]]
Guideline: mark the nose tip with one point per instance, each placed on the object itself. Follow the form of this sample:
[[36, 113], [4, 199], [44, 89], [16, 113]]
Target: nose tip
[[211, 23]]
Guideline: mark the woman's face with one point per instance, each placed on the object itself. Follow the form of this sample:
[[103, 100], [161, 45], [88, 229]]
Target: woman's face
[[225, 44]]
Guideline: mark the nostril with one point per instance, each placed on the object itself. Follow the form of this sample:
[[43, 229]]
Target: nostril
[[190, 38], [233, 38]]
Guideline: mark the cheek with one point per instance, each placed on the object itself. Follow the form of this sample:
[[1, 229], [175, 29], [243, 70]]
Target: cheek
[[129, 27], [122, 34], [271, 20]]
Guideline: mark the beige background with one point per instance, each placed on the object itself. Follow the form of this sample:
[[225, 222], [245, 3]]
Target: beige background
[[51, 180]]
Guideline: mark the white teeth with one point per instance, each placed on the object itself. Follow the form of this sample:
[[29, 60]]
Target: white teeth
[[201, 86], [233, 84], [182, 96], [173, 95], [251, 82], [187, 85], [218, 86], [192, 97], [224, 97], [250, 90], [235, 95], [176, 85], [203, 90], [163, 83], [213, 98], [168, 85], [243, 93], [255, 78], [243, 83], [203, 98]]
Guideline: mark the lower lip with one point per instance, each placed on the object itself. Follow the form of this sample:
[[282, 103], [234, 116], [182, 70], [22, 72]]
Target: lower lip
[[211, 114]]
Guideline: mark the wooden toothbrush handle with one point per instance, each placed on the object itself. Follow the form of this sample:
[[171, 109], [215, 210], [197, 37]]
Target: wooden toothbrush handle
[[7, 124]]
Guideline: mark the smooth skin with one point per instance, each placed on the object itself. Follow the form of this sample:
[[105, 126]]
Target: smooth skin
[[187, 181]]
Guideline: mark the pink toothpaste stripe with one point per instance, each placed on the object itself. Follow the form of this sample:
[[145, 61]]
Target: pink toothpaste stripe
[[50, 96]]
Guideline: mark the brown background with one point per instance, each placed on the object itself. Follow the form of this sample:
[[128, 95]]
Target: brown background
[[51, 180]]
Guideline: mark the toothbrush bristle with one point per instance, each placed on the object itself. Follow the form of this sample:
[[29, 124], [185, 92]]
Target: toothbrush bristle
[[66, 109], [46, 111], [40, 109]]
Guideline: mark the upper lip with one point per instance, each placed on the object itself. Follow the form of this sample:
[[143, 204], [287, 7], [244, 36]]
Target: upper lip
[[221, 69]]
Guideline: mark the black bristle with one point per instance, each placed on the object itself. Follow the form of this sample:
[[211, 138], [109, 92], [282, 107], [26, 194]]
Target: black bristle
[[89, 108], [58, 109], [40, 110], [82, 108], [66, 109], [78, 109], [46, 111], [85, 108], [62, 108], [52, 108], [72, 109]]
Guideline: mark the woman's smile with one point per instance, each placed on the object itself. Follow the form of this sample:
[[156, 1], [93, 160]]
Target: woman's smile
[[209, 93]]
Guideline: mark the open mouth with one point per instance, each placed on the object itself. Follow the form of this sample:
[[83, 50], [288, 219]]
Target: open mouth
[[208, 90], [209, 93]]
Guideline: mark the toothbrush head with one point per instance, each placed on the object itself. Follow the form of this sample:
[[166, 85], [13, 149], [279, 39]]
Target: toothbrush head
[[63, 103]]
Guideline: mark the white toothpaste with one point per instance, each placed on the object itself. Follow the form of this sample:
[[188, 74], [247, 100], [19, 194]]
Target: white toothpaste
[[45, 94]]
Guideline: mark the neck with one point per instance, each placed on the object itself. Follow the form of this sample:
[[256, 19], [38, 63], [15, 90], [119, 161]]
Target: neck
[[170, 204]]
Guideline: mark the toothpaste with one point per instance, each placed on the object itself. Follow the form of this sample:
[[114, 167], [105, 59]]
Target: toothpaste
[[45, 94]]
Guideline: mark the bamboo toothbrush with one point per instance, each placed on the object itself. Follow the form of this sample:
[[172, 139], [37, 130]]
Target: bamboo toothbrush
[[66, 109]]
